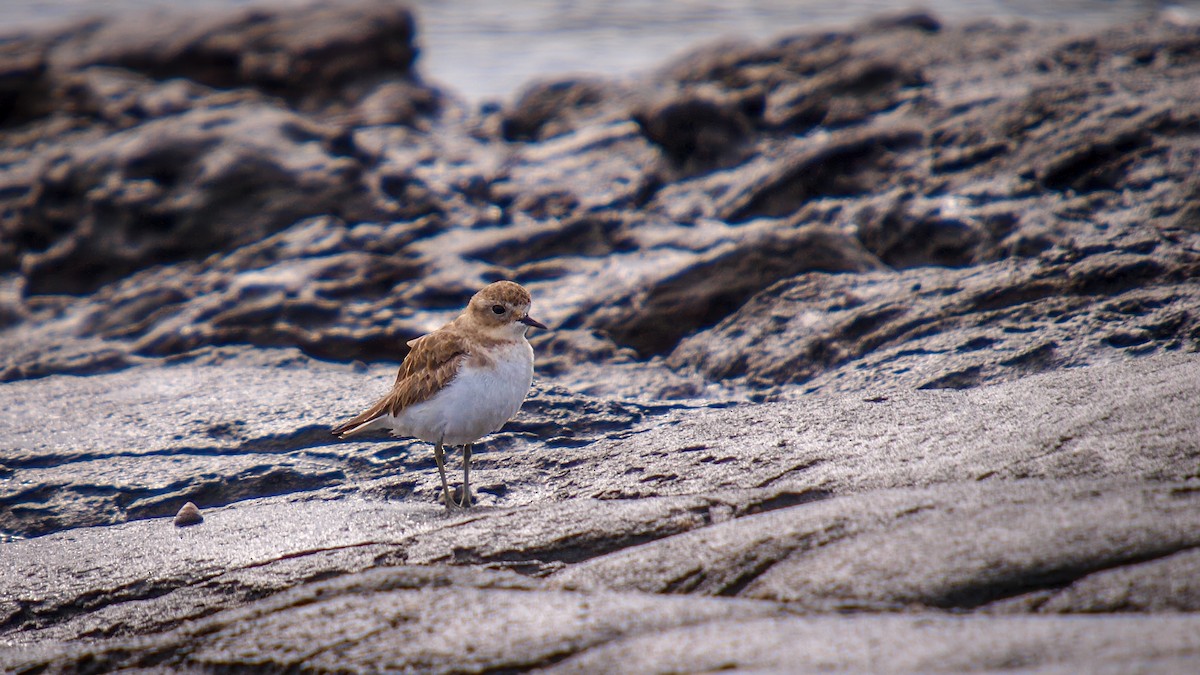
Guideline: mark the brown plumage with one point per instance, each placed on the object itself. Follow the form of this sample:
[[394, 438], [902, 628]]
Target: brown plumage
[[434, 359], [429, 366], [462, 381]]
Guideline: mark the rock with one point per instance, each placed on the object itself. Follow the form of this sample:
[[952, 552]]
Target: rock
[[897, 319], [395, 102], [916, 179], [179, 188], [23, 82], [552, 108], [152, 145], [371, 637], [257, 415], [792, 178], [846, 333], [307, 55], [602, 171], [871, 181], [122, 99], [700, 128], [589, 235], [1044, 426], [844, 94], [920, 233], [711, 287], [1115, 535], [188, 515], [984, 546], [244, 551], [850, 164], [604, 632], [899, 643], [918, 20]]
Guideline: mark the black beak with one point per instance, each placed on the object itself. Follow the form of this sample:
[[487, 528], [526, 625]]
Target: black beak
[[530, 321]]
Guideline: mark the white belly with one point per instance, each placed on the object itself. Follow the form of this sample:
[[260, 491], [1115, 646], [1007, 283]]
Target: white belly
[[477, 402]]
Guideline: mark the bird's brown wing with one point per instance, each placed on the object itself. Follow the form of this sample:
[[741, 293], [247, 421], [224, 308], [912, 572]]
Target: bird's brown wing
[[432, 362]]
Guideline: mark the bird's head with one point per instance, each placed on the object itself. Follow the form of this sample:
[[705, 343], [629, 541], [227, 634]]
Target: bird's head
[[502, 307]]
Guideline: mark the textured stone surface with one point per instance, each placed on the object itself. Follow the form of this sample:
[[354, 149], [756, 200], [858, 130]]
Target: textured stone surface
[[181, 188], [143, 442], [1063, 204], [803, 503], [873, 349], [304, 53], [1014, 546], [904, 644], [955, 329], [162, 140]]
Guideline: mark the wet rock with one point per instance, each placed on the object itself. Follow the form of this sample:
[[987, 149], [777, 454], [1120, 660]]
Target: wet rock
[[848, 164], [984, 545], [897, 317], [23, 83], [240, 427], [548, 109], [902, 644], [1045, 426], [583, 511], [701, 128], [180, 188], [848, 93], [840, 332], [307, 55], [719, 282]]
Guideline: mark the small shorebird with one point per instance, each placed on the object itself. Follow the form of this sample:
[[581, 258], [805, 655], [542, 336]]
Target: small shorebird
[[461, 382]]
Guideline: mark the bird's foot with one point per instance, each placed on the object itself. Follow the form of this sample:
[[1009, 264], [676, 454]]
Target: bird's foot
[[457, 501]]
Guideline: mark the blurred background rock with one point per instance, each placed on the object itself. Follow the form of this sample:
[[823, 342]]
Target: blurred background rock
[[488, 50]]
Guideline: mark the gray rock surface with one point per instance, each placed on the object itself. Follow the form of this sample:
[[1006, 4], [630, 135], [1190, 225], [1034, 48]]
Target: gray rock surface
[[904, 644], [961, 547], [795, 505], [873, 350]]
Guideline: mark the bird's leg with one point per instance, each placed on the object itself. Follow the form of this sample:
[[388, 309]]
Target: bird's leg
[[466, 498], [439, 457]]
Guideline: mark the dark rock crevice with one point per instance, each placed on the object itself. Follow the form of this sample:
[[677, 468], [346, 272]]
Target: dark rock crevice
[[1031, 582]]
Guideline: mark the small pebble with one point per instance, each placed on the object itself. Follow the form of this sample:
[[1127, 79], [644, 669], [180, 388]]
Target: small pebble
[[188, 515]]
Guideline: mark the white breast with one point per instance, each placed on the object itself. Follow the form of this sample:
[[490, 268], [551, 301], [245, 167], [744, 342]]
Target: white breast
[[477, 402]]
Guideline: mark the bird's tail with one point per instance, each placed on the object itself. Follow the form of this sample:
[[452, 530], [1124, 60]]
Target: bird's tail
[[371, 419]]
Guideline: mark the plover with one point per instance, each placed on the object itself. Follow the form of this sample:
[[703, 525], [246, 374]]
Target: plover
[[461, 382]]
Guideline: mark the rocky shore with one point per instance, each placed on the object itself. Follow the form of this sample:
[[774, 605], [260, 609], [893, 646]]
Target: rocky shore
[[872, 350]]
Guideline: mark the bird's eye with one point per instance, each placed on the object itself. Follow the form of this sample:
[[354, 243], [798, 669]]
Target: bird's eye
[[498, 309]]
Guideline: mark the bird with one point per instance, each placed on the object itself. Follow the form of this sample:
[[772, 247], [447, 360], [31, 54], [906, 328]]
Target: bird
[[461, 382]]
